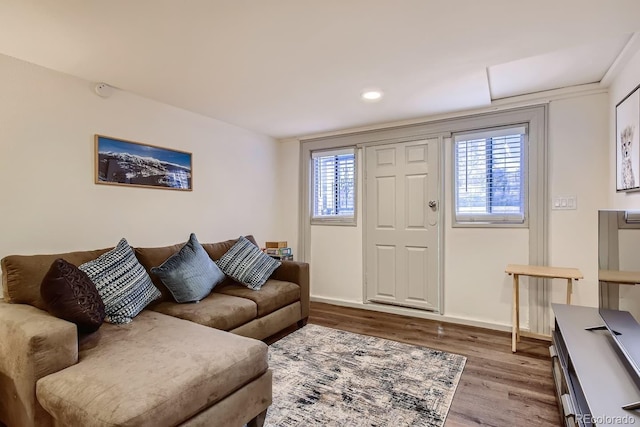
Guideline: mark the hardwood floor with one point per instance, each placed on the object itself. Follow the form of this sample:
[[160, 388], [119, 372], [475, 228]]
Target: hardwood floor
[[497, 387]]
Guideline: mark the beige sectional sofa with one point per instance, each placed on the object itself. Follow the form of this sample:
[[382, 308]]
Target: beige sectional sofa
[[198, 364]]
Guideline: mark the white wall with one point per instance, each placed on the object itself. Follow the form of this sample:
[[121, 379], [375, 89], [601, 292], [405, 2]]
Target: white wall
[[578, 129], [475, 285], [337, 255], [624, 82], [288, 192], [50, 203], [476, 290]]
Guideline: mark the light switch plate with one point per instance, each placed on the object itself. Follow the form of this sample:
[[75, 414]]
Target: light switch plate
[[564, 203]]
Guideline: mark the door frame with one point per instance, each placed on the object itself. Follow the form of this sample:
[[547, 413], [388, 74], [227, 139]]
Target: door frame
[[440, 214]]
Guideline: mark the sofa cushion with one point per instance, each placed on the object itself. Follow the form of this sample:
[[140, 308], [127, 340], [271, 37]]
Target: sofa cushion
[[72, 296], [247, 264], [189, 273], [151, 257], [273, 295], [23, 274], [123, 284], [216, 250], [218, 311], [158, 370]]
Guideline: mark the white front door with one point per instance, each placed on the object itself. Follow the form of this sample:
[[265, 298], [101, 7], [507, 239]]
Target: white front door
[[402, 224]]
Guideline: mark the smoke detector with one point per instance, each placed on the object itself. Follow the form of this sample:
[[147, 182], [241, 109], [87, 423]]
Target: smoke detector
[[103, 90]]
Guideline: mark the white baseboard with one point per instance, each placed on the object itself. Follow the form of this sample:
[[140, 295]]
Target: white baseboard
[[384, 308]]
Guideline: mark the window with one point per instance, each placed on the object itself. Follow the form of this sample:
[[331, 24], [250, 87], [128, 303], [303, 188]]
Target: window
[[334, 186], [490, 177]]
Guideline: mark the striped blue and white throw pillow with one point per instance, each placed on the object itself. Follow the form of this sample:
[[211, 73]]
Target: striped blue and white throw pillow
[[122, 282], [247, 264]]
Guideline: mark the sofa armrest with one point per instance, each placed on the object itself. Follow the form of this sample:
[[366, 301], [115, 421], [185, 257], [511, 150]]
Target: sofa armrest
[[34, 344], [296, 272]]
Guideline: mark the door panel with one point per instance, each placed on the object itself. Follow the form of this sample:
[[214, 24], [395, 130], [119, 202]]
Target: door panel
[[417, 268], [386, 270], [386, 157], [386, 212], [416, 154], [402, 231], [416, 203]]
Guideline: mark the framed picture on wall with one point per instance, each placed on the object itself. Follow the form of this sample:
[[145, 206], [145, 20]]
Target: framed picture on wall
[[628, 142], [127, 163]]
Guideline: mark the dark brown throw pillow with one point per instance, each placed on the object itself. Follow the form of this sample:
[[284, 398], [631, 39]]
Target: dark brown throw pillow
[[70, 295]]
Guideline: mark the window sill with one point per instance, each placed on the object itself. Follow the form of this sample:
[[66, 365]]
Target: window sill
[[349, 222]]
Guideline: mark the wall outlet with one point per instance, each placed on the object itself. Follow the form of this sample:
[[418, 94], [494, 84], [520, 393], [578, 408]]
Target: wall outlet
[[564, 203]]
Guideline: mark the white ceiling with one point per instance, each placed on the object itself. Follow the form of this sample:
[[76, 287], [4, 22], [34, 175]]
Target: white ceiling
[[297, 67]]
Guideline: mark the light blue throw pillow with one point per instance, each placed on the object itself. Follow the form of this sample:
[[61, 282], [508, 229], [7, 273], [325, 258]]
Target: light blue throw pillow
[[247, 264], [122, 282], [189, 274]]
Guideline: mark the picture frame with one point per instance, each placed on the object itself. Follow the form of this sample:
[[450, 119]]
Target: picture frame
[[134, 164], [627, 140]]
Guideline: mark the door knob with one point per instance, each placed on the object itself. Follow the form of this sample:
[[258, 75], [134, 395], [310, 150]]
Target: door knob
[[432, 204]]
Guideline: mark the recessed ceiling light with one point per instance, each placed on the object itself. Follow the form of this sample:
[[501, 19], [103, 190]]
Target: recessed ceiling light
[[371, 95]]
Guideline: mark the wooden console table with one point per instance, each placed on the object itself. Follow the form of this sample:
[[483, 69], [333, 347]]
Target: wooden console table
[[541, 271], [609, 282]]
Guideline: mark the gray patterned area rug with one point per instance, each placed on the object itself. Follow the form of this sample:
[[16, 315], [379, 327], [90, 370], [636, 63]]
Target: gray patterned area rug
[[327, 377]]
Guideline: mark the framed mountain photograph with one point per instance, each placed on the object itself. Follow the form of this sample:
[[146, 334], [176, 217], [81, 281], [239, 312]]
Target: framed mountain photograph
[[121, 162]]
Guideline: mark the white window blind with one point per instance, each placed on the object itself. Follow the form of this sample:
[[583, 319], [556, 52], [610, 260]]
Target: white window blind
[[490, 176], [334, 186]]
